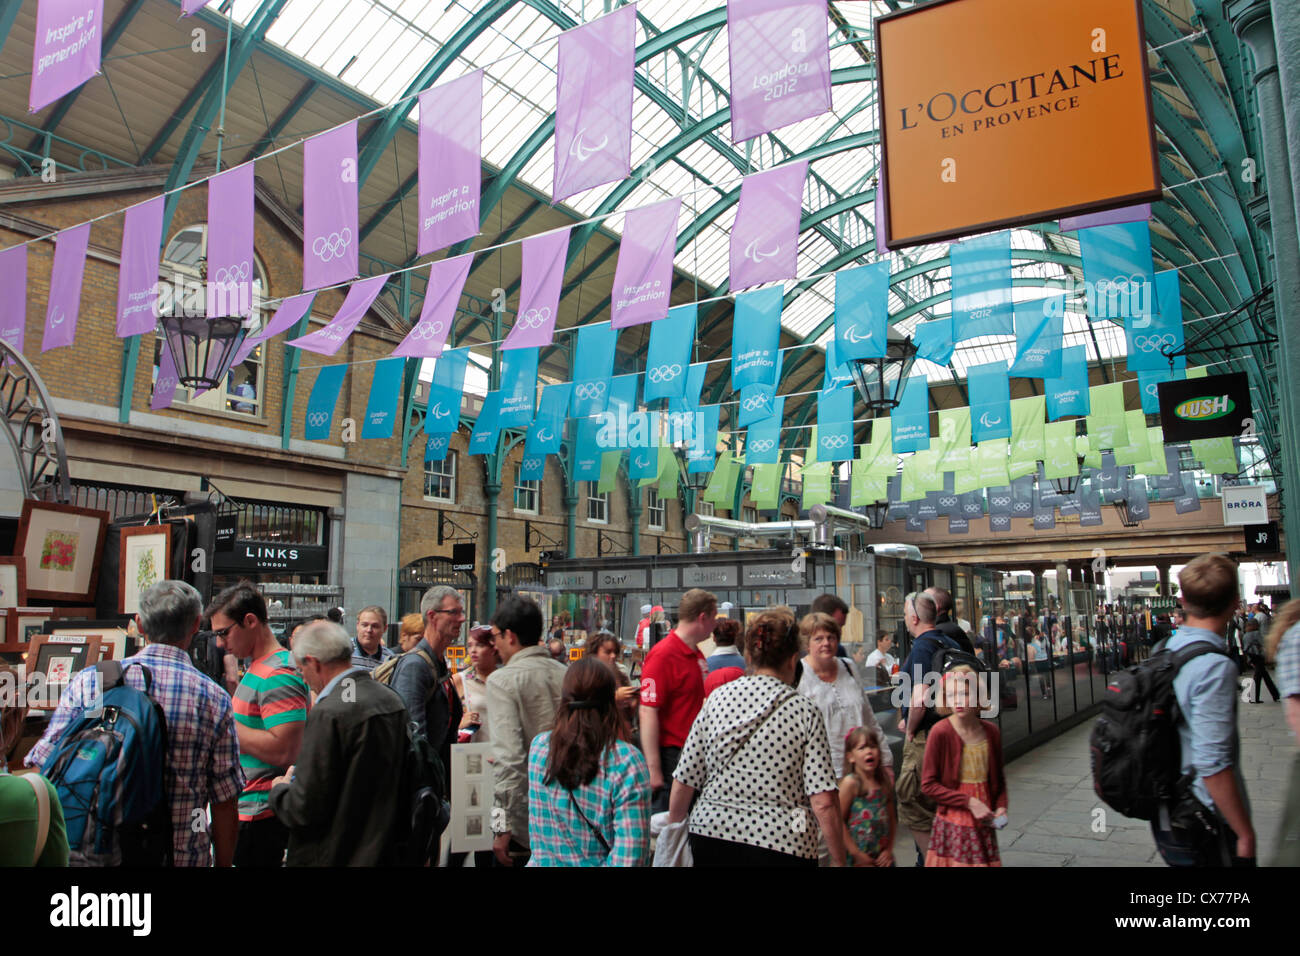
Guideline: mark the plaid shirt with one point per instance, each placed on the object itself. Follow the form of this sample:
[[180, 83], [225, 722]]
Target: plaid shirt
[[202, 750], [617, 802], [1288, 663]]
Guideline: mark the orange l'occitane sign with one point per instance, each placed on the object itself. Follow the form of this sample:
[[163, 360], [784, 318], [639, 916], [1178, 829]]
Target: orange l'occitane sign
[[1001, 112]]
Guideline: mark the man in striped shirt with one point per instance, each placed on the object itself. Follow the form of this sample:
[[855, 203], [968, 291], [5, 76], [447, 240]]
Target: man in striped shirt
[[270, 713]]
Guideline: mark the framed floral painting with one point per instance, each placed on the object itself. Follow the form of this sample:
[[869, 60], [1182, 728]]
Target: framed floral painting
[[145, 552], [60, 545]]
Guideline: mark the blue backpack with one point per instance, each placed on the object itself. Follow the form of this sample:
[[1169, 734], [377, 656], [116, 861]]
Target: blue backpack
[[110, 770]]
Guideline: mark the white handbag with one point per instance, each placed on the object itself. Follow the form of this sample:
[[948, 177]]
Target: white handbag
[[673, 848]]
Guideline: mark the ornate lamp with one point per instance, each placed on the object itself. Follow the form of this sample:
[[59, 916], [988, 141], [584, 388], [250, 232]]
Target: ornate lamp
[[202, 348], [696, 481], [871, 376], [875, 513]]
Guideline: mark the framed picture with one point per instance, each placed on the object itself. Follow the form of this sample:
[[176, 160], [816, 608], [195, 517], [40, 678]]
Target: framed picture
[[471, 797], [111, 635], [58, 659], [24, 623], [13, 581], [60, 545], [144, 561]]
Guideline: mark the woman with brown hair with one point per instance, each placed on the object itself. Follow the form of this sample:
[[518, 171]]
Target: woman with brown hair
[[588, 788], [471, 685], [759, 758], [412, 631], [605, 647]]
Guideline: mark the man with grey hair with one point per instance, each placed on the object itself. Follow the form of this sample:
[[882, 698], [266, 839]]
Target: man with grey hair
[[346, 799], [422, 678], [204, 775]]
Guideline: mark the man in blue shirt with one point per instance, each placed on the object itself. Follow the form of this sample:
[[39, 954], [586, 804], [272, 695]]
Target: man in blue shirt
[[1206, 689]]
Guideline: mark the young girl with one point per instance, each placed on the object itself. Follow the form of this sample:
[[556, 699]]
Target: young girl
[[867, 801], [963, 774]]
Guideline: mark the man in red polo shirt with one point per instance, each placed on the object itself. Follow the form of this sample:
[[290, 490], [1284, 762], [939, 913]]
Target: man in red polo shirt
[[672, 690]]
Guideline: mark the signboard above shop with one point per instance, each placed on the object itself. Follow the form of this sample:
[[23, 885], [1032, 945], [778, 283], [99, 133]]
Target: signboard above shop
[[1008, 124], [1244, 505], [262, 556], [1216, 406]]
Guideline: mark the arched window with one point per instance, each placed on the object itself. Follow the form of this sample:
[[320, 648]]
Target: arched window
[[183, 282]]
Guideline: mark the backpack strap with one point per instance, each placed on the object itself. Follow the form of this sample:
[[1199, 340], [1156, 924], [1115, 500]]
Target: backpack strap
[[112, 674], [1193, 651], [42, 813]]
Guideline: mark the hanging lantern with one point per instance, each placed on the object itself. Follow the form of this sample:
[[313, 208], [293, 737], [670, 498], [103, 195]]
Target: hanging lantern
[[871, 376], [202, 347]]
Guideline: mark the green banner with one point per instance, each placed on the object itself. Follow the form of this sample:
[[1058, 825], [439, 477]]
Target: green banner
[[953, 443], [930, 472], [1027, 421], [609, 462], [765, 493], [968, 479], [1218, 456], [722, 486], [1199, 371], [816, 484], [1107, 427], [879, 452], [910, 488], [1156, 464], [1060, 459], [1136, 449], [866, 488], [992, 458], [669, 487]]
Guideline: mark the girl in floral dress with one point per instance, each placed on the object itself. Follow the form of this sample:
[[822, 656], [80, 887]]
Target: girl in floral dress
[[867, 801], [963, 775]]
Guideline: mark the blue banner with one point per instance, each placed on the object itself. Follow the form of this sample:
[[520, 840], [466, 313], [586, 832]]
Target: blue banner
[[643, 464], [910, 422], [690, 397], [763, 440], [862, 311], [1068, 395], [981, 287], [989, 389], [669, 357], [835, 424], [1148, 384], [1039, 329], [1139, 504], [547, 430], [704, 444], [320, 406], [755, 337], [1151, 338], [933, 341], [999, 523], [1000, 500], [435, 447], [757, 401], [622, 393], [442, 414], [518, 388], [381, 406], [532, 468], [593, 371], [1117, 271], [483, 438], [586, 458]]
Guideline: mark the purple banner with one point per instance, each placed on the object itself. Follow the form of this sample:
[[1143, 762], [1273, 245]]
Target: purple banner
[[65, 287], [450, 163], [882, 214], [69, 34], [230, 242], [165, 380], [765, 238], [329, 212], [191, 7], [644, 275], [539, 299], [593, 107], [330, 339], [441, 296], [286, 317], [137, 277], [13, 296], [780, 64], [1139, 213]]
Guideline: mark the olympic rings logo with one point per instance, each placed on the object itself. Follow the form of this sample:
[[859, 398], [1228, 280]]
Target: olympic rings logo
[[317, 418], [166, 384], [754, 403], [332, 246], [834, 441], [1001, 501], [589, 390], [534, 318], [664, 373], [235, 273], [947, 502], [1153, 343], [426, 331], [762, 444], [438, 443], [1022, 506]]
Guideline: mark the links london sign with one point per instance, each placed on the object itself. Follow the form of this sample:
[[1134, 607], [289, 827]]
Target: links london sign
[[261, 556], [1000, 112]]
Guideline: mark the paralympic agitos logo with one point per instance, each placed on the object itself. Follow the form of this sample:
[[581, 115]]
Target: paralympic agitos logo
[[1012, 100]]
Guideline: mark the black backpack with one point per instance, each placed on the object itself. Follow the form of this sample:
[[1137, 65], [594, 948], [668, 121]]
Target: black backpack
[[1136, 755]]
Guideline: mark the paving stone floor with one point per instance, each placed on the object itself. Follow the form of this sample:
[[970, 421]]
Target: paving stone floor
[[1054, 817]]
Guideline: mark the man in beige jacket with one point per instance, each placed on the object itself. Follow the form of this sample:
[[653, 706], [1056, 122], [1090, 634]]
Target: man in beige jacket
[[522, 699]]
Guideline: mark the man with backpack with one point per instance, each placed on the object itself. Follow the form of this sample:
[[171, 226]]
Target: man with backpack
[[943, 621], [916, 810], [199, 759]]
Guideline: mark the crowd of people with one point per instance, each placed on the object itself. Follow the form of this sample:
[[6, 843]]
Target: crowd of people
[[767, 751]]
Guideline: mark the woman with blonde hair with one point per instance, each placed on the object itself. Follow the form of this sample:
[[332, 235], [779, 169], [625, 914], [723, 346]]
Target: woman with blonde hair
[[412, 631]]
